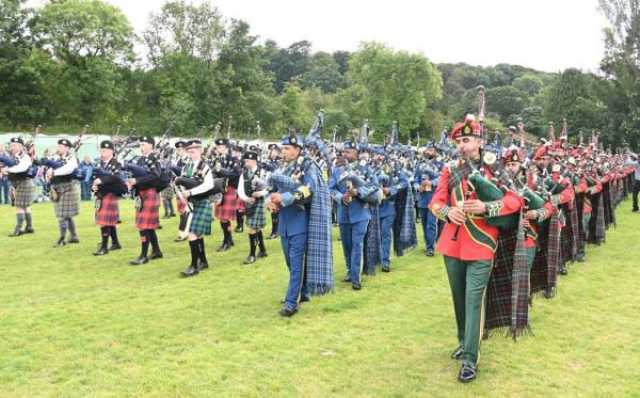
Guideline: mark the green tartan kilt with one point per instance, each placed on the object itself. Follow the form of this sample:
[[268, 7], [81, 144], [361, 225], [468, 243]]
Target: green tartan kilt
[[201, 218], [255, 215]]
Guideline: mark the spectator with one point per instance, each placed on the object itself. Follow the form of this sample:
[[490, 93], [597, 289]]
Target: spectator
[[86, 166]]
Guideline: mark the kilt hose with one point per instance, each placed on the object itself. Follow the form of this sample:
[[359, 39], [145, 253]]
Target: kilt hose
[[67, 205], [107, 211], [201, 218], [181, 206], [23, 189], [255, 215], [226, 211], [148, 215]]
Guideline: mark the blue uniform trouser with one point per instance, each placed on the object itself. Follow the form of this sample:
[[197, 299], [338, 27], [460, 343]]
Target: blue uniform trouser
[[429, 227], [352, 237], [293, 248], [386, 233], [4, 191]]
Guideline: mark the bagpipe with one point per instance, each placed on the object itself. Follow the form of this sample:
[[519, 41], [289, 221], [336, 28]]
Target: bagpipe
[[353, 179], [111, 183]]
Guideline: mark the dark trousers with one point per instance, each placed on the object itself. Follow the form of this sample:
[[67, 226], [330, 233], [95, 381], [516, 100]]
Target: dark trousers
[[85, 190], [352, 238], [636, 189], [429, 228]]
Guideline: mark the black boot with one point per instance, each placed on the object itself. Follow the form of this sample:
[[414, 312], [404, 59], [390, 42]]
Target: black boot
[[260, 240], [202, 256], [102, 250], [60, 242], [16, 232], [192, 270], [155, 246], [144, 249], [251, 258]]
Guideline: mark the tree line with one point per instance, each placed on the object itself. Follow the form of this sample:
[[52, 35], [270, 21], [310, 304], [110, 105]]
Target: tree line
[[76, 62]]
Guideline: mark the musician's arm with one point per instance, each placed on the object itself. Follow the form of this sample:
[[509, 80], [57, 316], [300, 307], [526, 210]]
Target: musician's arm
[[369, 188], [333, 185], [439, 205], [509, 204], [22, 166], [563, 197], [207, 185], [67, 168]]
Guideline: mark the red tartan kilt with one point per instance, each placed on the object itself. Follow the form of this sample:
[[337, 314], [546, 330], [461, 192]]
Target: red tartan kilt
[[149, 216], [108, 213], [226, 211], [182, 206]]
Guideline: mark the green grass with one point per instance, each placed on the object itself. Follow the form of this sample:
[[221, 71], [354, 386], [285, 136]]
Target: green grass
[[73, 325]]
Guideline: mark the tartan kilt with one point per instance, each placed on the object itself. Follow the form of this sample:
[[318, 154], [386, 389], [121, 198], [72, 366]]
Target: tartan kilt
[[226, 211], [167, 193], [67, 204], [148, 217], [108, 213], [255, 215], [201, 218], [24, 192]]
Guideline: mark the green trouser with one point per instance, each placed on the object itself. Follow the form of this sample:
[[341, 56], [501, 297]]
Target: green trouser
[[468, 281], [586, 218], [531, 256]]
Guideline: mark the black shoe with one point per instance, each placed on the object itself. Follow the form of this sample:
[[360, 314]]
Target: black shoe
[[28, 231], [60, 243], [467, 373], [457, 354], [73, 240], [429, 252], [356, 286], [304, 299], [115, 246], [139, 261], [16, 232], [273, 236], [155, 255], [286, 312], [165, 216], [239, 229], [101, 251], [250, 260], [202, 265], [223, 247], [347, 279], [386, 268], [563, 271], [191, 271], [262, 254], [180, 239], [549, 293], [172, 215]]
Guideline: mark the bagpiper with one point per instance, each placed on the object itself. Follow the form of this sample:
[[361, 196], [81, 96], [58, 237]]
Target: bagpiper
[[19, 167], [252, 190], [147, 200], [468, 242], [108, 186]]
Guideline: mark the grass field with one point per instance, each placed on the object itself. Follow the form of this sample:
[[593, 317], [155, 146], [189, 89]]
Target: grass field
[[73, 325]]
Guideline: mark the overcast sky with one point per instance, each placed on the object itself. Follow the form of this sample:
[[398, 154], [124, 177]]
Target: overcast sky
[[549, 35]]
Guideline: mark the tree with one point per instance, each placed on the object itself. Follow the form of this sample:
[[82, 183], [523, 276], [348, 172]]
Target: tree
[[324, 73], [87, 42], [388, 85]]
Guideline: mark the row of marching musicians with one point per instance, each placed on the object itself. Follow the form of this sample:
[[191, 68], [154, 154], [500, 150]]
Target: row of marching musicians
[[506, 221]]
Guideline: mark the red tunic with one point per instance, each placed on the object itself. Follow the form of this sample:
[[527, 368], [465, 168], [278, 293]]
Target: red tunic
[[467, 246]]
